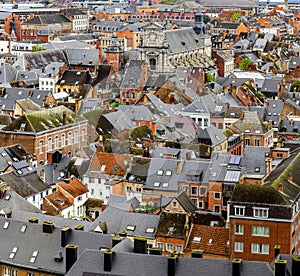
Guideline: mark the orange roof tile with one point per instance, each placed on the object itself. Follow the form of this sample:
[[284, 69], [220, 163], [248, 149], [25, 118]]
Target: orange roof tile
[[109, 163], [75, 188], [201, 236], [58, 200]]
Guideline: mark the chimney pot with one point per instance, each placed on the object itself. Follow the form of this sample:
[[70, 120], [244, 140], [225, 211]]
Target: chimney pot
[[295, 265], [140, 245], [115, 241], [48, 226], [236, 267], [71, 256], [108, 259], [171, 265], [79, 227], [155, 251], [277, 247], [280, 267], [65, 232], [33, 220], [197, 254]]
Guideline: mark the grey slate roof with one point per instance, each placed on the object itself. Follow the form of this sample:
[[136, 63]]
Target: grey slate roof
[[132, 75], [24, 185], [47, 245], [119, 120], [254, 160], [215, 135], [86, 57], [137, 113], [274, 109], [91, 263], [186, 203], [45, 19], [182, 40], [118, 220], [8, 73], [11, 95]]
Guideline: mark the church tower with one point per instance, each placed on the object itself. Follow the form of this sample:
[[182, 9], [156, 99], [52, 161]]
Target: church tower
[[114, 54]]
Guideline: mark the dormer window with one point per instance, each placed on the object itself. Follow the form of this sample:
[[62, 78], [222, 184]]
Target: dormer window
[[239, 210], [260, 212]]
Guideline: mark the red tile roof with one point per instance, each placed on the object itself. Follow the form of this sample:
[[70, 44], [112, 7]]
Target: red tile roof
[[58, 200], [75, 188], [109, 163], [218, 235]]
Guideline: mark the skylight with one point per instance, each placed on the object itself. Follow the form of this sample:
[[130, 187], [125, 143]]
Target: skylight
[[130, 227], [168, 173], [197, 239], [165, 185], [13, 252], [210, 241], [156, 184], [6, 224], [150, 230], [23, 228], [160, 172], [34, 255]]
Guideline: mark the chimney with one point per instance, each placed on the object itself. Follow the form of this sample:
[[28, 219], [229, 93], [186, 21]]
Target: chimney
[[48, 226], [71, 256], [140, 245], [242, 116], [266, 103], [64, 234], [115, 241], [155, 251], [290, 177], [280, 188], [277, 247], [64, 118], [227, 107], [171, 265], [295, 265], [280, 267], [236, 267], [292, 122], [197, 254], [79, 227], [122, 234], [108, 259], [33, 220]]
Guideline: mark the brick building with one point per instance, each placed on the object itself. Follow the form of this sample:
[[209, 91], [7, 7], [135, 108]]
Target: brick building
[[41, 133]]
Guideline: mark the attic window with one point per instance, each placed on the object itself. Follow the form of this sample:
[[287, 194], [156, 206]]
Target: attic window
[[247, 130], [78, 73], [103, 168], [210, 241], [171, 229], [19, 172], [5, 96], [197, 239], [38, 96], [257, 131], [150, 230], [156, 184], [29, 168], [257, 169], [3, 154], [130, 227], [165, 185], [7, 197], [168, 173], [160, 172], [20, 93], [23, 228], [33, 257], [6, 224], [13, 252], [62, 81]]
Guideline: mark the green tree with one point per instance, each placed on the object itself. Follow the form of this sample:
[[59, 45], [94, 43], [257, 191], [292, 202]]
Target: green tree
[[37, 47], [206, 18], [245, 64], [235, 16], [211, 77]]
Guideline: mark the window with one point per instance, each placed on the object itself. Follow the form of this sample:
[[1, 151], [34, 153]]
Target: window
[[239, 210], [83, 135], [168, 173], [217, 208], [150, 230], [202, 191], [63, 140], [160, 245], [49, 144], [156, 184], [30, 274], [174, 204], [178, 247], [217, 195], [91, 179], [256, 142], [247, 142], [130, 227], [205, 122], [169, 247], [76, 140], [160, 172], [197, 239], [56, 142], [260, 212], [194, 190], [260, 231], [239, 229], [200, 205], [257, 248], [41, 146], [70, 138], [238, 246]]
